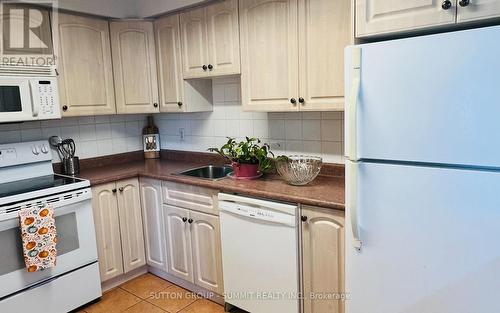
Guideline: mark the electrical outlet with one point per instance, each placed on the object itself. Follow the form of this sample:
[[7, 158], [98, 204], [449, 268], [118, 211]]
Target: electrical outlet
[[181, 133]]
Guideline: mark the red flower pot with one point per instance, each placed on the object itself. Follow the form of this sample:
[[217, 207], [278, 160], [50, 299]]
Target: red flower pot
[[245, 170]]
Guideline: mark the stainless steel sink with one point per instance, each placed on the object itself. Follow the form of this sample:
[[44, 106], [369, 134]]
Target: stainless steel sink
[[211, 172]]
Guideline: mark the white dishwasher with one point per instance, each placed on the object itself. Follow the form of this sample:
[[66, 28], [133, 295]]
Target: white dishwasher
[[259, 254]]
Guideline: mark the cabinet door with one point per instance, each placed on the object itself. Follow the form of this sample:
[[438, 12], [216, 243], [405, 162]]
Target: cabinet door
[[129, 208], [152, 216], [223, 38], [168, 48], [194, 43], [107, 228], [375, 17], [324, 32], [178, 242], [323, 258], [207, 257], [134, 66], [269, 55], [85, 70], [478, 10]]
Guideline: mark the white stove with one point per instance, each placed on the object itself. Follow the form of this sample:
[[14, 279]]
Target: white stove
[[26, 179]]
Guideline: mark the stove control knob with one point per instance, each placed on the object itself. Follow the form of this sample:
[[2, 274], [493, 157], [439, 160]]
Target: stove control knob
[[44, 149], [35, 151]]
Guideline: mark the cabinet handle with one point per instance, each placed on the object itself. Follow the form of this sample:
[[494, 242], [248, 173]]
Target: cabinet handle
[[303, 218], [184, 219], [464, 3], [121, 189], [65, 108], [446, 5], [204, 67], [113, 190], [155, 105], [190, 221], [293, 101], [179, 103], [210, 66], [301, 100]]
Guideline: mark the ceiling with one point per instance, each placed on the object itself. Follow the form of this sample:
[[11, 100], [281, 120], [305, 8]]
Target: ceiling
[[126, 8]]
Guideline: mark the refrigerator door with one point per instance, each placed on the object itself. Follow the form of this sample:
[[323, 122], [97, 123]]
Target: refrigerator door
[[430, 240], [431, 99]]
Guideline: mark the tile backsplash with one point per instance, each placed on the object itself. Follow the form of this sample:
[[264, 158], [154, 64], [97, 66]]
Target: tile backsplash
[[316, 133]]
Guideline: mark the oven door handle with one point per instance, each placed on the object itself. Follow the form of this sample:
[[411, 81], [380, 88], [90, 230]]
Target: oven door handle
[[34, 100]]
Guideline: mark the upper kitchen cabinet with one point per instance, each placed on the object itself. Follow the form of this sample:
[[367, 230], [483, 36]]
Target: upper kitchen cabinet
[[85, 69], [210, 40], [375, 17], [292, 54], [468, 11], [177, 94], [134, 66], [269, 55], [324, 32]]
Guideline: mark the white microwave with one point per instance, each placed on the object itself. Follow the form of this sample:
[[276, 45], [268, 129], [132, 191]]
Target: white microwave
[[28, 93]]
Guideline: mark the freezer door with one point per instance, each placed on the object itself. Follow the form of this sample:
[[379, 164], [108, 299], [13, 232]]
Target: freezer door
[[430, 240], [429, 99]]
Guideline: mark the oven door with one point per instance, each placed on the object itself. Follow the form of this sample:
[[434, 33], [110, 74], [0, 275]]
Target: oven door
[[16, 103], [76, 244]]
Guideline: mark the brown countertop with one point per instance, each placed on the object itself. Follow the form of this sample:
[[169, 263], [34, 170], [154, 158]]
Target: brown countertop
[[324, 191]]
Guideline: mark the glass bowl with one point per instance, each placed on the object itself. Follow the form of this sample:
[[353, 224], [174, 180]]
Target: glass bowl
[[299, 170]]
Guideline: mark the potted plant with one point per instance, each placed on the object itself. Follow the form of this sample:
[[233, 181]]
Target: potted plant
[[248, 157]]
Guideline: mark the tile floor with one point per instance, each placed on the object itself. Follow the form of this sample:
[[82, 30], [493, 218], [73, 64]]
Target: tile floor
[[151, 294]]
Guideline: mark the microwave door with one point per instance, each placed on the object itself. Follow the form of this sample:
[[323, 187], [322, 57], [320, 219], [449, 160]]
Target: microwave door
[[16, 101]]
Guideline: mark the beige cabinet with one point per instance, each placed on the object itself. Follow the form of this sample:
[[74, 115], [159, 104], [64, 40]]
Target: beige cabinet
[[118, 224], [134, 66], [154, 230], [474, 10], [375, 17], [177, 94], [107, 228], [210, 40], [322, 258], [178, 242], [85, 67], [292, 54], [129, 211]]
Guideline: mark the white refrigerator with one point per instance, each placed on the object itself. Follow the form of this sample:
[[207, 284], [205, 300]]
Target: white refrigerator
[[423, 174]]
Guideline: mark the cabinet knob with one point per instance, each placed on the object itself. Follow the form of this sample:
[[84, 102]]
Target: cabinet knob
[[113, 190], [464, 3], [204, 67], [184, 219], [210, 66], [303, 218], [155, 105], [301, 100], [121, 189], [190, 221], [446, 5], [293, 101], [179, 103], [65, 108]]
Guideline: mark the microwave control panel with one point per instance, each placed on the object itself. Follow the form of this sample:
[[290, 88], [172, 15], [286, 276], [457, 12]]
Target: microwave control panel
[[46, 94]]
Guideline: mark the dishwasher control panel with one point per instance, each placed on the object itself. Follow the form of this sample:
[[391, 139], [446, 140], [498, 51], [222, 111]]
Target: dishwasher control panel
[[263, 214]]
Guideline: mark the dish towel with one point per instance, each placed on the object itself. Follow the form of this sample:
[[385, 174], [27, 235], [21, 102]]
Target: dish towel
[[39, 237]]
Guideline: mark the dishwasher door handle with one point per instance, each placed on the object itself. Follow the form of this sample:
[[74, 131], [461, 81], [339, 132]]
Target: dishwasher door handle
[[258, 214]]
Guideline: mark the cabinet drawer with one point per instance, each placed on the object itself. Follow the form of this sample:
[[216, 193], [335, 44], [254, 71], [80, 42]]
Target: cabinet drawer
[[191, 197]]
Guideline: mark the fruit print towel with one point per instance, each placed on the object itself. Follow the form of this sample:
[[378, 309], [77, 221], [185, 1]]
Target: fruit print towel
[[39, 237]]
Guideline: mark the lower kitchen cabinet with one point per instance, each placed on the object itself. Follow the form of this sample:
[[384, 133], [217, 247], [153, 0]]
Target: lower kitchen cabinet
[[194, 248], [118, 224], [154, 230], [322, 259]]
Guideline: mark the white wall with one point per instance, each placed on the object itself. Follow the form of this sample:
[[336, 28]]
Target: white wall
[[147, 8], [316, 133]]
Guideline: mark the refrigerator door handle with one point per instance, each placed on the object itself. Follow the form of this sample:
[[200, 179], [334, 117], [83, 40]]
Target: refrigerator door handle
[[352, 209], [353, 102]]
